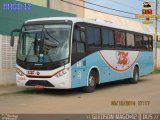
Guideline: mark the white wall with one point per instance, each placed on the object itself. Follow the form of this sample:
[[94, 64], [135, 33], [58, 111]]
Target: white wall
[[7, 61], [7, 76]]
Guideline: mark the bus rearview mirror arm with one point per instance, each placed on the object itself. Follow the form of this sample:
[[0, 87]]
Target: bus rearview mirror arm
[[12, 36]]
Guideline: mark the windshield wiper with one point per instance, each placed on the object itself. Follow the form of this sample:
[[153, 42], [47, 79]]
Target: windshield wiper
[[51, 36]]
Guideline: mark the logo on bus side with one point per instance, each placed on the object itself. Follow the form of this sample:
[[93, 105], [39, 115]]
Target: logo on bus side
[[119, 61], [122, 58]]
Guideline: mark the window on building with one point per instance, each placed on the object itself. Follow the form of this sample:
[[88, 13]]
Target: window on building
[[107, 38], [120, 39], [93, 36], [130, 40]]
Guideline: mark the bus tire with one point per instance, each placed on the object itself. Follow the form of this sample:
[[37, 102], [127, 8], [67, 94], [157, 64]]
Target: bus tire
[[135, 78], [91, 83]]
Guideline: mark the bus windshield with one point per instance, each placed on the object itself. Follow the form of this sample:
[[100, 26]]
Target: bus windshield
[[44, 43]]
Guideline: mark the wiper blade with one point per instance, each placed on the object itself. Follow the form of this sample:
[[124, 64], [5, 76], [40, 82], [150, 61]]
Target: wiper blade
[[50, 44], [51, 36]]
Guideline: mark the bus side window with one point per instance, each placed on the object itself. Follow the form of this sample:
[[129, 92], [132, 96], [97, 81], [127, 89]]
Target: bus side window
[[150, 42], [93, 37], [108, 38], [90, 36], [119, 39], [145, 42], [83, 36], [78, 45], [77, 36], [130, 40], [138, 41], [74, 47], [81, 43]]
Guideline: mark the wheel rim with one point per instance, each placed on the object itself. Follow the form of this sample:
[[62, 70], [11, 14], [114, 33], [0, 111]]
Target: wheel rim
[[91, 82]]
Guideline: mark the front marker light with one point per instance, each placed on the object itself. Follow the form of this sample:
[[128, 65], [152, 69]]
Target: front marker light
[[19, 72], [60, 74]]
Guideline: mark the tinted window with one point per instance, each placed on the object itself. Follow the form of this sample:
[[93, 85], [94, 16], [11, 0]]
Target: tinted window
[[93, 36], [80, 47], [145, 42], [150, 43], [90, 36], [74, 47], [83, 36], [138, 41], [77, 36], [119, 39], [130, 40], [107, 38]]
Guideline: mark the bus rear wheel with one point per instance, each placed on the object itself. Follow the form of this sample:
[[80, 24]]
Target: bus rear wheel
[[91, 83], [135, 78]]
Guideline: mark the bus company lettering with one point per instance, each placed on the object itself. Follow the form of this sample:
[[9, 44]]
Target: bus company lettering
[[30, 72], [122, 58]]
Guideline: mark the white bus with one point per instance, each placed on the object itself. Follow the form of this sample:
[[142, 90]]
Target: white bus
[[70, 52]]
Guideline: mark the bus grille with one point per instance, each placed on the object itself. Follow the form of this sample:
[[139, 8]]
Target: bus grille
[[39, 82]]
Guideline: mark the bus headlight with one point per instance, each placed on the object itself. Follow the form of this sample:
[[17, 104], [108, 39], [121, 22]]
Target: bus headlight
[[60, 74], [19, 72]]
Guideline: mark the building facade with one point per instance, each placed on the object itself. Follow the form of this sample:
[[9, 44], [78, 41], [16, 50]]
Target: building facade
[[42, 3], [68, 7]]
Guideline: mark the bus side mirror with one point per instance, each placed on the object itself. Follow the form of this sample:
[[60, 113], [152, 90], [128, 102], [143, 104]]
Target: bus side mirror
[[12, 41], [12, 36]]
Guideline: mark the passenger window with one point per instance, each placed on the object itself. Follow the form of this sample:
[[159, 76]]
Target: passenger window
[[93, 36], [77, 36], [130, 40], [97, 37], [74, 46], [120, 39], [107, 38], [138, 41], [80, 47], [145, 42], [83, 36], [90, 36], [150, 43]]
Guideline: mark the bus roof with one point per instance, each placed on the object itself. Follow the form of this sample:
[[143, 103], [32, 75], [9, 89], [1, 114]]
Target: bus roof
[[91, 21]]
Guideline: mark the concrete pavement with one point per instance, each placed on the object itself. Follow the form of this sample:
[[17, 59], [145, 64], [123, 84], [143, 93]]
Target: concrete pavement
[[8, 89], [116, 97]]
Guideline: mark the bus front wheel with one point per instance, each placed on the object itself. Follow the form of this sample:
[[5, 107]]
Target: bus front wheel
[[135, 78], [91, 83]]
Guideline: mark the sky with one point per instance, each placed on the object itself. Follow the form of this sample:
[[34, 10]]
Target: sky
[[134, 6]]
